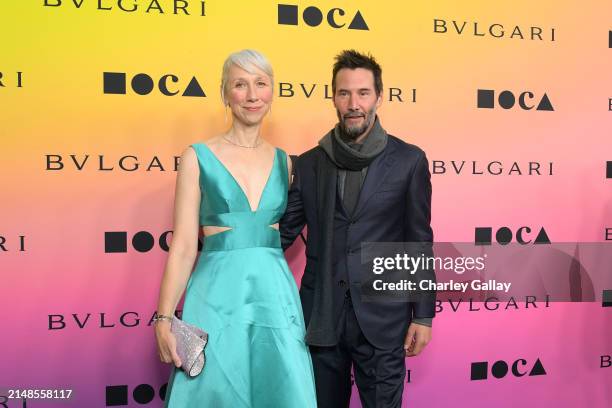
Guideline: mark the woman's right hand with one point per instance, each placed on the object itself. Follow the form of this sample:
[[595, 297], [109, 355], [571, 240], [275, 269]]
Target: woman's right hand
[[166, 343]]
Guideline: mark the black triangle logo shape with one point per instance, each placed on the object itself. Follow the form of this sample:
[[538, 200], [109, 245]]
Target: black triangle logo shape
[[545, 104], [538, 368], [358, 23], [194, 89], [542, 237]]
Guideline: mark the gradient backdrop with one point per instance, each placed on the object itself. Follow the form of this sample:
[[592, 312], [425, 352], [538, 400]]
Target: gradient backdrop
[[71, 188]]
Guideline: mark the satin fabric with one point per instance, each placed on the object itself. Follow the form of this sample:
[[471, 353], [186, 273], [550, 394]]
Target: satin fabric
[[243, 294]]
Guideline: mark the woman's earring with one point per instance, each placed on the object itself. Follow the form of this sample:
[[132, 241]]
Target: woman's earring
[[226, 113]]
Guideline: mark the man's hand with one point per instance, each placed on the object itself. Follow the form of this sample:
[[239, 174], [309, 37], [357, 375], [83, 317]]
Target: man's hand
[[416, 339]]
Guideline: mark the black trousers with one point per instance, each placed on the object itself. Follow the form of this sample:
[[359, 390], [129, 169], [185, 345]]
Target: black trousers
[[379, 373]]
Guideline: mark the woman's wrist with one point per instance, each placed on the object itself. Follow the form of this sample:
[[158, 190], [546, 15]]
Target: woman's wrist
[[159, 317], [162, 323]]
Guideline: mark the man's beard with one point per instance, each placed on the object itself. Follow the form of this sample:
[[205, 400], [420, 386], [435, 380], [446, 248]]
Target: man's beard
[[353, 132]]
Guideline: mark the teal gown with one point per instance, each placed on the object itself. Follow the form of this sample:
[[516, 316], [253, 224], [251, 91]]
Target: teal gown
[[243, 294]]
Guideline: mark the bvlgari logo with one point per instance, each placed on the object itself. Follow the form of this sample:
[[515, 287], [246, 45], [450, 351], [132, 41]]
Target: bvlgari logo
[[492, 304], [493, 30], [507, 99], [499, 369], [11, 79], [12, 244], [119, 395], [289, 14], [147, 7], [100, 162], [101, 320], [143, 84], [309, 90], [504, 236], [491, 168]]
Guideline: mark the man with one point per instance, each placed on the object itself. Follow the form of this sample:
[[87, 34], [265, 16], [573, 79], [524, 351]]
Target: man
[[359, 184]]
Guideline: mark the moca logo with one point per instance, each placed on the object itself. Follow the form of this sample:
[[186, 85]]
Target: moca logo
[[499, 369], [507, 100], [142, 241], [143, 84], [504, 235], [118, 395], [288, 14]]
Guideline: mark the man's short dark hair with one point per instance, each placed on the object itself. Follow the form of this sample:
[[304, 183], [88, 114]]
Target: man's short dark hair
[[352, 59]]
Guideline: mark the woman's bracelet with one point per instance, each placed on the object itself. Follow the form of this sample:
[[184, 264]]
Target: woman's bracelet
[[159, 317]]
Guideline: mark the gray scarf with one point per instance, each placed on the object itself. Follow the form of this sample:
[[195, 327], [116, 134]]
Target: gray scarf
[[353, 159]]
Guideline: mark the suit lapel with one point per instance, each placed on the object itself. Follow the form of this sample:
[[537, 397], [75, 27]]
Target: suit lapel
[[377, 171], [321, 328], [326, 175]]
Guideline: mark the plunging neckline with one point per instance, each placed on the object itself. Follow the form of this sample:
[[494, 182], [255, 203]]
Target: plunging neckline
[[244, 195]]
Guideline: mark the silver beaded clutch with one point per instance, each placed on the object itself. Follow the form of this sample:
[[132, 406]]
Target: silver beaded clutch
[[190, 344]]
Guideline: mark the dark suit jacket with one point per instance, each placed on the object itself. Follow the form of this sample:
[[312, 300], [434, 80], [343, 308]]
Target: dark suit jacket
[[394, 206]]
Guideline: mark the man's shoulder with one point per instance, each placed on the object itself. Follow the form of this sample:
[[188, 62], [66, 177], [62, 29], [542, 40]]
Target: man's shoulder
[[404, 148], [308, 160], [311, 154], [309, 157]]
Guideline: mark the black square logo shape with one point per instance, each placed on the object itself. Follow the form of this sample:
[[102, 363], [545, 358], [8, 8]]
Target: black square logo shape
[[115, 242], [479, 370], [116, 395], [114, 83], [606, 298], [287, 14], [486, 98], [483, 235]]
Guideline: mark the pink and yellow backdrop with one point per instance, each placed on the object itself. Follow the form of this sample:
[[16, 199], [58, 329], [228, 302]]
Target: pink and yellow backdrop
[[88, 172]]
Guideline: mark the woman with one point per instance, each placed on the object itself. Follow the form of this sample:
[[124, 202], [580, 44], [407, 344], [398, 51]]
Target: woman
[[241, 291]]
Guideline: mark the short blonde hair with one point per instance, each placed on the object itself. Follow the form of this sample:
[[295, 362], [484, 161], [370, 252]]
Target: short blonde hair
[[249, 60]]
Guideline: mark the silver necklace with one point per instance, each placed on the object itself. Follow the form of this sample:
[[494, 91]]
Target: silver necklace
[[240, 145]]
